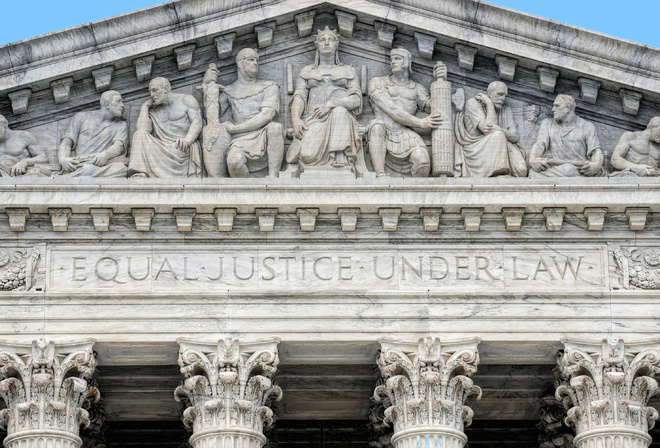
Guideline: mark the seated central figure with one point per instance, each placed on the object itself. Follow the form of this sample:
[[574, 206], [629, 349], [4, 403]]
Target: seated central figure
[[326, 102]]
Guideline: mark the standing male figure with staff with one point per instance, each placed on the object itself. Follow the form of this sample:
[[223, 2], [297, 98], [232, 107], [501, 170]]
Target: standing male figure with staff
[[395, 100]]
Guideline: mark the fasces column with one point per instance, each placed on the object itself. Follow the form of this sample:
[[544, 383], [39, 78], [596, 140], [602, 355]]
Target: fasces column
[[44, 386], [608, 390], [228, 387], [426, 386]]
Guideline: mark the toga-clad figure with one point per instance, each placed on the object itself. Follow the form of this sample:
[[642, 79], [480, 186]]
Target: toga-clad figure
[[393, 145], [487, 136], [253, 142], [324, 110], [566, 145], [165, 143], [100, 139]]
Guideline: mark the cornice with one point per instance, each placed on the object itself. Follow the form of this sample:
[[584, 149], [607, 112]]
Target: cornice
[[493, 29]]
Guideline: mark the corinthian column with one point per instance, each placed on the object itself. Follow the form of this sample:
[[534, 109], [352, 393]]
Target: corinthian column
[[427, 384], [228, 387], [609, 388], [44, 386]]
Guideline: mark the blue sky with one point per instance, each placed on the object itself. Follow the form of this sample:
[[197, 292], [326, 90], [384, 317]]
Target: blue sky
[[631, 19]]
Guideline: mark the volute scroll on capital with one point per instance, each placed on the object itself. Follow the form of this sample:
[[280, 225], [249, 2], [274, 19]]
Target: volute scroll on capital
[[45, 386], [608, 388], [428, 384], [228, 388]]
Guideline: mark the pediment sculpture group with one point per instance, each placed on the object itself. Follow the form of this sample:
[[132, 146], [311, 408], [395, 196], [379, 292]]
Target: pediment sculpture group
[[324, 131]]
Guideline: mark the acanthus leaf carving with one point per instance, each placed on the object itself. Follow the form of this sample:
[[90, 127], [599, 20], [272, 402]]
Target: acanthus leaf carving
[[609, 386], [228, 387], [428, 386], [45, 386]]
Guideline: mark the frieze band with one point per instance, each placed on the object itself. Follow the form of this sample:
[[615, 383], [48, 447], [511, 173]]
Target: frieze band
[[415, 131]]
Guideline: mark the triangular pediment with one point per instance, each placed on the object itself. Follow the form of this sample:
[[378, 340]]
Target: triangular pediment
[[478, 42]]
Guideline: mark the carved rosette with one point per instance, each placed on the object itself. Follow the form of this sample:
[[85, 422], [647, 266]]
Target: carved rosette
[[44, 386], [228, 388], [609, 389], [428, 384]]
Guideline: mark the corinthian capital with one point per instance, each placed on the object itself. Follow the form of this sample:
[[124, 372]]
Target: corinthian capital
[[228, 387], [427, 384], [44, 386], [610, 384]]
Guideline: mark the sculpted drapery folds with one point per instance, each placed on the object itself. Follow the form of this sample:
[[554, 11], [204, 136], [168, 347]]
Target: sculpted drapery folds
[[566, 145], [253, 141], [165, 143], [487, 137], [100, 139], [326, 103], [393, 146], [638, 153]]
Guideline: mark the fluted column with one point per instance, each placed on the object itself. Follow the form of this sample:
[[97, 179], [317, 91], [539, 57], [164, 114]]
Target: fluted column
[[228, 387], [44, 386], [609, 387], [427, 384]]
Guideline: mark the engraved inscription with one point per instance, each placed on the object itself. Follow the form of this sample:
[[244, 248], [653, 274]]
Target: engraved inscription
[[285, 269]]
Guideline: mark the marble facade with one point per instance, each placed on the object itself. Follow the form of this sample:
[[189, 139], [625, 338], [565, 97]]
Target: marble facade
[[295, 278]]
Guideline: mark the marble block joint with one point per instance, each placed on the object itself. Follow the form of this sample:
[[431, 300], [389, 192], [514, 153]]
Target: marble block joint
[[427, 385], [44, 386], [227, 389]]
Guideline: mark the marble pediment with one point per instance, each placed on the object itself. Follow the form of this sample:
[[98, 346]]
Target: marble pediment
[[48, 78]]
